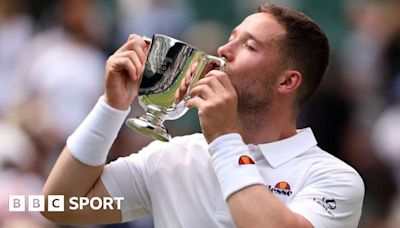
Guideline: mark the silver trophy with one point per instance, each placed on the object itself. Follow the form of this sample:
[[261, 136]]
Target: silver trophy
[[168, 63]]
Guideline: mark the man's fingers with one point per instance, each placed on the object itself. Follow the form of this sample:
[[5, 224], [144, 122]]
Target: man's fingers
[[197, 102], [138, 49], [222, 78], [134, 59], [133, 37], [181, 92], [135, 43], [203, 91], [120, 64], [212, 82]]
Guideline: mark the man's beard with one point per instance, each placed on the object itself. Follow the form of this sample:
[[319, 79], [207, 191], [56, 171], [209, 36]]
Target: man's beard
[[254, 96]]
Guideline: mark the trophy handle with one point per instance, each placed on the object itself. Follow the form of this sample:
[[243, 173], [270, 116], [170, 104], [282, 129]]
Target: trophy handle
[[221, 61], [207, 59]]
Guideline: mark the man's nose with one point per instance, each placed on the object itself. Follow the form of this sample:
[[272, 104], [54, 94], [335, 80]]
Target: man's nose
[[226, 52]]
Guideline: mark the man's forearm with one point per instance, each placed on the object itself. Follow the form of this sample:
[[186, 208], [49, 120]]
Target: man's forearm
[[70, 177], [255, 206]]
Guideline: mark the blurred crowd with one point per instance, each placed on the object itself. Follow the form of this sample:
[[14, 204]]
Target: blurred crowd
[[52, 56]]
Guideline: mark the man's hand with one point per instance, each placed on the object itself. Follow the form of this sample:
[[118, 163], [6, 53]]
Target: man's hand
[[123, 70], [216, 101]]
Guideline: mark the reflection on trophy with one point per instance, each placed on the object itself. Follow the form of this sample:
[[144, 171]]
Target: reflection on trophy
[[170, 63]]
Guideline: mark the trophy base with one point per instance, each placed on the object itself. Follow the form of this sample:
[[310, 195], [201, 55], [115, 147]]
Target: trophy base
[[143, 126]]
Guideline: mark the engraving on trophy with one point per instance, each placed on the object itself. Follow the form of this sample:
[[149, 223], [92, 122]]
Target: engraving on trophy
[[159, 64]]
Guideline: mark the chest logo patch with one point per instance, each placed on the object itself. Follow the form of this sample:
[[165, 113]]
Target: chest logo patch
[[281, 188], [245, 160]]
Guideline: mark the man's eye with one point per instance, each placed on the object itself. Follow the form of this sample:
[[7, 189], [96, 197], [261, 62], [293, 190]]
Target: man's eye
[[249, 47]]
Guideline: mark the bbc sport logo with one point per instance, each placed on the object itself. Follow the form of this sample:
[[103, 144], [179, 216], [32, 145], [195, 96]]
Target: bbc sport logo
[[56, 203]]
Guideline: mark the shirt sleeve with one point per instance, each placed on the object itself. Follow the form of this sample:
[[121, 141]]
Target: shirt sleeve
[[332, 197], [128, 177]]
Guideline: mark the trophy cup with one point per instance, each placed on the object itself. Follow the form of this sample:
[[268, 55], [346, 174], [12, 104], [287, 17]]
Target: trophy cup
[[169, 61]]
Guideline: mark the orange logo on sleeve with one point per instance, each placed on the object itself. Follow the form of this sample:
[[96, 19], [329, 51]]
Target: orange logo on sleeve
[[245, 160], [283, 185]]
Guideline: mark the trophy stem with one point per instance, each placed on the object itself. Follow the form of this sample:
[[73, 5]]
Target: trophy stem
[[150, 124]]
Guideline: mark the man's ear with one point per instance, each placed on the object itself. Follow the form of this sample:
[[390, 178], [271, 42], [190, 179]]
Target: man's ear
[[289, 81]]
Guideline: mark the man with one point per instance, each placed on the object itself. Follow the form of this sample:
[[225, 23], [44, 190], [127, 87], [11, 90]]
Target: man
[[249, 168]]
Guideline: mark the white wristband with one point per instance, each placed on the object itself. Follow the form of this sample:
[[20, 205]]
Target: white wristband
[[92, 140], [233, 164]]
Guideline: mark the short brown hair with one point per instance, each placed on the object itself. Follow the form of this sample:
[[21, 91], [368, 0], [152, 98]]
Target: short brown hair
[[305, 47]]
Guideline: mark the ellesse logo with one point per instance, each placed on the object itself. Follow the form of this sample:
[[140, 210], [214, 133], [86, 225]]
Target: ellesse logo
[[283, 185], [245, 160], [281, 188]]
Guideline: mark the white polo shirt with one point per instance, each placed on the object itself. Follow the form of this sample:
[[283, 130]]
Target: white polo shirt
[[175, 183]]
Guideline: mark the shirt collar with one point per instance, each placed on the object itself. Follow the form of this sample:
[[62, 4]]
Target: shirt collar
[[284, 150]]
